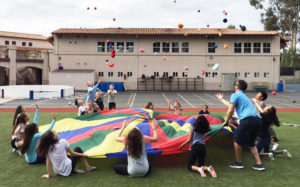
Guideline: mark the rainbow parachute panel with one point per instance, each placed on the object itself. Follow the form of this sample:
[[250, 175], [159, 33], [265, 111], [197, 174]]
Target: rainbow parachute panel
[[95, 133]]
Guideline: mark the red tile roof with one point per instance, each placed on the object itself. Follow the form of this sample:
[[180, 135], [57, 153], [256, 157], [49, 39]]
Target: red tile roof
[[22, 35], [161, 31]]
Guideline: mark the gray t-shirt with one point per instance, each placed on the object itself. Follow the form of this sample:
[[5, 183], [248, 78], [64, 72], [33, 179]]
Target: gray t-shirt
[[262, 104], [138, 167], [197, 137], [62, 165], [111, 96]]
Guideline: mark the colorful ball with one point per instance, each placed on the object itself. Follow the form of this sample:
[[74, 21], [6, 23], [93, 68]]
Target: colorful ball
[[216, 67], [274, 93], [199, 11], [220, 34], [186, 68], [106, 60], [207, 25], [225, 20], [111, 65], [202, 72], [142, 50], [294, 101], [95, 8], [108, 41], [180, 25], [225, 45], [220, 85], [114, 19], [164, 58], [215, 46]]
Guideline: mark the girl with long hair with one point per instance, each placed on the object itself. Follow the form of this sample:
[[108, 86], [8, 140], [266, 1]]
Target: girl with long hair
[[55, 150], [31, 138], [198, 150], [20, 109], [138, 165], [17, 134], [269, 118]]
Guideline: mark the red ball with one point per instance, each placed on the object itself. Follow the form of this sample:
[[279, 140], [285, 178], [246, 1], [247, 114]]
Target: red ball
[[95, 8], [114, 19], [274, 93]]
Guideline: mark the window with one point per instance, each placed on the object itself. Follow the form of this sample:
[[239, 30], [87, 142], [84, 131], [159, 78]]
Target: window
[[165, 74], [175, 74], [165, 47], [101, 74], [184, 74], [211, 48], [247, 47], [237, 74], [214, 74], [120, 47], [6, 42], [185, 47], [256, 74], [207, 74], [110, 46], [101, 47], [120, 74], [266, 47], [13, 43], [30, 44], [175, 47], [129, 47], [110, 74], [256, 48], [156, 74], [237, 47], [266, 74], [156, 47], [23, 43], [129, 74], [247, 74]]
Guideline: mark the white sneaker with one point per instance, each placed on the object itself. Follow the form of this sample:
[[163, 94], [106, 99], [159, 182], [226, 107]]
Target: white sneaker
[[288, 154], [19, 153], [271, 156], [14, 150]]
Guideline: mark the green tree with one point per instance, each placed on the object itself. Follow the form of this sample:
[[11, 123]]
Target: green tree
[[231, 27], [282, 15]]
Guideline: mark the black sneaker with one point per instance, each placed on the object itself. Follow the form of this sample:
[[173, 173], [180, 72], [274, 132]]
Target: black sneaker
[[237, 165], [258, 167]]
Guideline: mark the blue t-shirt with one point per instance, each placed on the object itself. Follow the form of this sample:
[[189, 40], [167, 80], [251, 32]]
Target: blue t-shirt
[[197, 137], [243, 106], [91, 93]]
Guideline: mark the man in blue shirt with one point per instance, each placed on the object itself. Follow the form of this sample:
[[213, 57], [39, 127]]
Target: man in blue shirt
[[250, 123]]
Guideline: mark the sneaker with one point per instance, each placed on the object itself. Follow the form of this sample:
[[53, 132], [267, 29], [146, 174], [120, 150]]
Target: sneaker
[[19, 153], [237, 165], [275, 146], [288, 154], [78, 171], [202, 172], [14, 150], [212, 172], [271, 156], [258, 167], [91, 168]]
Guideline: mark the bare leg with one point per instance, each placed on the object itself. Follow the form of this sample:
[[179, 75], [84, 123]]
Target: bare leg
[[196, 168], [254, 152], [238, 152], [90, 107], [85, 162], [20, 144]]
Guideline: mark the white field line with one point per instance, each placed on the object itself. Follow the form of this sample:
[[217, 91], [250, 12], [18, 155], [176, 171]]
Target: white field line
[[132, 101], [186, 100]]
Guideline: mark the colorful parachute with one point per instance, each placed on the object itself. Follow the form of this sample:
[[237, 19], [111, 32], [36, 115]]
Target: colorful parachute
[[95, 133]]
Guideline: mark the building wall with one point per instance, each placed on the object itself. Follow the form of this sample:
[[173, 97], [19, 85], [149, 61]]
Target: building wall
[[75, 52], [35, 43]]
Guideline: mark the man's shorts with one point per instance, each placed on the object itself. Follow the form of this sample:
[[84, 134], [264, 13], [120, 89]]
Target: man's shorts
[[247, 131]]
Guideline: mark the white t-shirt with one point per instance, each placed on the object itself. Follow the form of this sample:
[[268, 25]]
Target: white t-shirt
[[62, 165], [111, 96], [81, 109]]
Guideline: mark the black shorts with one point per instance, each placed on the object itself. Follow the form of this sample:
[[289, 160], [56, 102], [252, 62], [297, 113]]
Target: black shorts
[[101, 105], [198, 152], [247, 131], [39, 160], [112, 105], [14, 143], [74, 159]]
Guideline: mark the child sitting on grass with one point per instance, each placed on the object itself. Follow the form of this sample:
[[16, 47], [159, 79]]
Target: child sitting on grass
[[198, 150], [269, 117], [18, 131], [177, 107], [91, 96], [111, 97], [82, 109], [31, 138], [138, 165], [55, 150], [149, 105], [20, 109]]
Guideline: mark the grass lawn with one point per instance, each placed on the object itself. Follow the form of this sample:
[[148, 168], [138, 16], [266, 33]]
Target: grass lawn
[[170, 170]]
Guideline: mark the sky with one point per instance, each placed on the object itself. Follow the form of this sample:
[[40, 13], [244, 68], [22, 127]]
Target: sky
[[46, 16]]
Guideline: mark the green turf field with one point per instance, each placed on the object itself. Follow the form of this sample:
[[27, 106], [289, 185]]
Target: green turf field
[[168, 170]]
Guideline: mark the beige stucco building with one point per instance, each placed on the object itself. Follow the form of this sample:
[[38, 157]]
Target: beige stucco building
[[184, 54], [24, 58]]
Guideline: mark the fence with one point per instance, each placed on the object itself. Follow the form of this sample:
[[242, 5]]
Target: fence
[[150, 84], [36, 91]]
